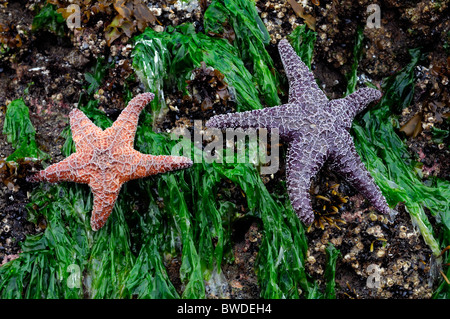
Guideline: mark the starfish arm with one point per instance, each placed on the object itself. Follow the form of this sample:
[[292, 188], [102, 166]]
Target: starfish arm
[[303, 162], [84, 131], [103, 205], [71, 169], [270, 117], [347, 163], [247, 119], [105, 185], [140, 165], [348, 107], [302, 85], [126, 124]]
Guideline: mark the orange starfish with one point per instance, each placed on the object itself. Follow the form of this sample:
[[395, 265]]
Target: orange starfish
[[106, 159]]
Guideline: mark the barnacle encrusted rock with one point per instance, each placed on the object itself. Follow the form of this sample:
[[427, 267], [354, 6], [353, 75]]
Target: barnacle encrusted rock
[[316, 130], [106, 159]]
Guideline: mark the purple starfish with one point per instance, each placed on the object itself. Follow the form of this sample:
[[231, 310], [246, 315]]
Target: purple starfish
[[316, 130]]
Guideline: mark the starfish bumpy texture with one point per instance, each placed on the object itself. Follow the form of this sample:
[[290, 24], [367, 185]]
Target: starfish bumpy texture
[[316, 130], [106, 159]]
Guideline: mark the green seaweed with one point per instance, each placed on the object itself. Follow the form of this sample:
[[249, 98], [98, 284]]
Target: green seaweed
[[49, 19], [171, 56], [281, 257], [42, 269], [302, 40], [20, 132], [250, 40], [439, 135], [330, 271], [95, 77], [352, 77]]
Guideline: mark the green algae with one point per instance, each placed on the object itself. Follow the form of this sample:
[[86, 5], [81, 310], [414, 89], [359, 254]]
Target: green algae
[[50, 20], [250, 41], [20, 132], [302, 40]]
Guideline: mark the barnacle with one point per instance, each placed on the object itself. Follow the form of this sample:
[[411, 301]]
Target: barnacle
[[373, 242]]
